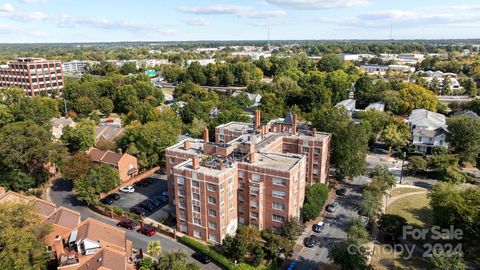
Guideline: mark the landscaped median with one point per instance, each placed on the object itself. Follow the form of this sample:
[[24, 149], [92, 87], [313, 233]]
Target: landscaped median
[[217, 257]]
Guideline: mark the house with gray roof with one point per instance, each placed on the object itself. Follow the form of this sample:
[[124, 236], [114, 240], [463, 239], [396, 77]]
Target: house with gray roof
[[468, 113], [427, 130], [348, 104]]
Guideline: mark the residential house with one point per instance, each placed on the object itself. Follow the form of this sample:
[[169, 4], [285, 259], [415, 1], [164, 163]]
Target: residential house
[[348, 104], [58, 124], [427, 130], [468, 113], [378, 106], [108, 129], [127, 165], [253, 97]]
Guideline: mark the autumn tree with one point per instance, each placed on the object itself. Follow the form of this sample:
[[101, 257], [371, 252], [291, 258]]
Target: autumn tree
[[98, 180], [416, 97]]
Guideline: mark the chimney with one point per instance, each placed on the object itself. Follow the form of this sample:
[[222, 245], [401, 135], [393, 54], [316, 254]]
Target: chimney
[[196, 163], [119, 151], [58, 245], [257, 119], [205, 135], [186, 144], [314, 132], [251, 153], [295, 123]]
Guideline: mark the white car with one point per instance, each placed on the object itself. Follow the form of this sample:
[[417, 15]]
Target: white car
[[127, 189]]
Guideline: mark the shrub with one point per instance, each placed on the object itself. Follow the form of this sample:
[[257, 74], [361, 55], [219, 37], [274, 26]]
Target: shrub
[[315, 197], [217, 257], [117, 210]]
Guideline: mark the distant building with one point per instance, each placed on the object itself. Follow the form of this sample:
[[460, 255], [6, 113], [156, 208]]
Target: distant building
[[427, 130], [348, 104], [58, 124], [108, 129], [253, 174], [253, 97], [468, 113], [77, 66], [202, 62], [34, 75], [126, 164], [378, 106], [409, 58], [382, 70]]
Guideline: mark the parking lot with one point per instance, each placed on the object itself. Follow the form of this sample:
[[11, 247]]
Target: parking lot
[[142, 193]]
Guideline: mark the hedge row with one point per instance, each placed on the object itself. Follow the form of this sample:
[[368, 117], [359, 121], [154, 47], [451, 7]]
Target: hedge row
[[217, 257]]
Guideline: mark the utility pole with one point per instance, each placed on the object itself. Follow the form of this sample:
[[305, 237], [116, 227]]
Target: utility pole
[[403, 160]]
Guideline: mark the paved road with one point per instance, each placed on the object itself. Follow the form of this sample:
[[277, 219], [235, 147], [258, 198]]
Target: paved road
[[336, 225], [61, 194]]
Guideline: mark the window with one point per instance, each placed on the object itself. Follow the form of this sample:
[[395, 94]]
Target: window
[[197, 221], [254, 215], [212, 213], [196, 196], [181, 192], [196, 208], [172, 160], [241, 220], [222, 212], [222, 187], [195, 183], [278, 206], [317, 150], [212, 238], [278, 218], [182, 215], [255, 177], [230, 207], [241, 186], [181, 204], [241, 198], [212, 200], [305, 149], [315, 171], [279, 181], [230, 180], [197, 234], [211, 187], [253, 203], [278, 194], [241, 174], [230, 193], [212, 225], [255, 191], [180, 180]]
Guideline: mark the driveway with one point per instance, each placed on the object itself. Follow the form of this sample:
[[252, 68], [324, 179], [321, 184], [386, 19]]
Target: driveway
[[336, 225], [61, 194]]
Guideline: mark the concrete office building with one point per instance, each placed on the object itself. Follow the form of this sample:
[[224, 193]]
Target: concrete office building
[[35, 75], [252, 174]]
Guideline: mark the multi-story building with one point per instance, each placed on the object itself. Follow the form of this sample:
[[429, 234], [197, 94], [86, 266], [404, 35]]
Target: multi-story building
[[252, 174], [427, 130], [35, 75], [77, 66]]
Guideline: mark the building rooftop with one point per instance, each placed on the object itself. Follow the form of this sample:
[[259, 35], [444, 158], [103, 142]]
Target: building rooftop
[[65, 217], [107, 132], [276, 161], [196, 147], [348, 104], [105, 234], [238, 126], [425, 118]]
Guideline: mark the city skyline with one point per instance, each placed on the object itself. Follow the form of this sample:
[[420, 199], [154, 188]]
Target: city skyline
[[88, 21]]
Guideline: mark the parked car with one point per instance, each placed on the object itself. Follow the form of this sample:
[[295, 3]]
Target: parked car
[[127, 189], [147, 230], [310, 241], [201, 257], [147, 206], [332, 207], [138, 210], [107, 201], [154, 201], [318, 227], [144, 182], [341, 191], [161, 198], [127, 224], [165, 193], [114, 196], [291, 265]]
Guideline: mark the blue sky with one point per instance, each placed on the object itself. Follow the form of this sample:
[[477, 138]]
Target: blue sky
[[163, 20]]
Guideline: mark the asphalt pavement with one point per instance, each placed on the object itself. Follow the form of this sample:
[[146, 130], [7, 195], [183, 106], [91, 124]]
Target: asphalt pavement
[[61, 194], [334, 232]]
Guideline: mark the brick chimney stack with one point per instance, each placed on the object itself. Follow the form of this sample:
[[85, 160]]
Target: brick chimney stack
[[295, 123], [58, 246], [314, 132], [205, 135], [196, 163], [186, 144], [257, 119], [251, 152]]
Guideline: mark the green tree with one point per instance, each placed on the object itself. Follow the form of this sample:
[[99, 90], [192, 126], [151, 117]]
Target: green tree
[[105, 105], [417, 163], [349, 150], [292, 228], [348, 255], [76, 166], [88, 187], [277, 246], [392, 224], [446, 87], [26, 147], [154, 248], [147, 264], [330, 62], [340, 84], [272, 106], [395, 135], [37, 109], [464, 138], [417, 97], [315, 198], [357, 233], [128, 68], [6, 116], [81, 137], [470, 86], [371, 203], [21, 237], [365, 91], [149, 141], [450, 261], [84, 105], [445, 167], [175, 260]]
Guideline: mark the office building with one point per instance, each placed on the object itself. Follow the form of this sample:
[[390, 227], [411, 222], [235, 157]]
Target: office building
[[35, 75]]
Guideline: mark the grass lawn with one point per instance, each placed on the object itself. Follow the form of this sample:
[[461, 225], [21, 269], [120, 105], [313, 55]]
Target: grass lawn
[[385, 258], [415, 209], [404, 190]]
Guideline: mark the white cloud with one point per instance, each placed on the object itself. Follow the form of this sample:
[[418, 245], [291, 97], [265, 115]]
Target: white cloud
[[226, 9], [318, 4], [197, 21], [33, 1], [7, 8]]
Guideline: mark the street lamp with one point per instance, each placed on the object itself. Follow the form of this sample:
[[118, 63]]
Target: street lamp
[[401, 172]]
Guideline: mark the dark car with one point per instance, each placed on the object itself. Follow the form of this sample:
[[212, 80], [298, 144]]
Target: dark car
[[127, 224], [114, 196], [147, 230], [147, 206], [154, 202], [310, 242], [318, 227], [161, 198], [291, 265], [138, 210], [140, 183], [107, 201], [341, 191], [332, 207], [201, 257], [148, 181]]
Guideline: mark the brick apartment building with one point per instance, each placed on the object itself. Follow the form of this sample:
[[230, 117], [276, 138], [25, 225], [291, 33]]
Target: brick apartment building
[[35, 75], [252, 174]]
